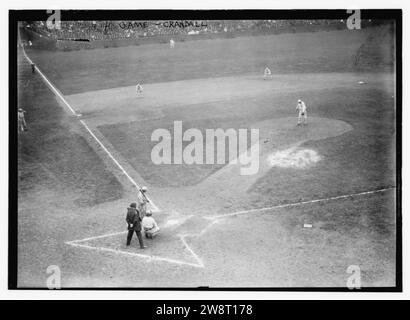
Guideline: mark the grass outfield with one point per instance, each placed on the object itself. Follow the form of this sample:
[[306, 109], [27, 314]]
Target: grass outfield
[[351, 131]]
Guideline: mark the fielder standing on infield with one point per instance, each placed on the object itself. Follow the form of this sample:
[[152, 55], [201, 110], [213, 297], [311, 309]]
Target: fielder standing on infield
[[301, 108]]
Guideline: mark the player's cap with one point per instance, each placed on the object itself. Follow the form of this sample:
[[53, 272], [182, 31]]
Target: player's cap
[[20, 109], [299, 100], [144, 189], [148, 213], [133, 205]]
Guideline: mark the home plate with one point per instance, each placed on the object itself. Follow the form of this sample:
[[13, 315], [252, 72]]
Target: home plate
[[175, 219]]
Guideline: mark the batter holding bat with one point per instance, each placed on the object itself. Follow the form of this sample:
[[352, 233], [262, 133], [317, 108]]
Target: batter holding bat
[[142, 201]]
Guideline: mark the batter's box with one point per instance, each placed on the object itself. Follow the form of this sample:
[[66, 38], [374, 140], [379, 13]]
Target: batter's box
[[170, 248]]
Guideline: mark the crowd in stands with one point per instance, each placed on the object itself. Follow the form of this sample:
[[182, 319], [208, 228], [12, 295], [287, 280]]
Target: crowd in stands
[[106, 30]]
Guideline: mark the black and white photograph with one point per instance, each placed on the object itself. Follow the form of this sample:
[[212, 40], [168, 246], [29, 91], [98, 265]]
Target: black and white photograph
[[205, 149]]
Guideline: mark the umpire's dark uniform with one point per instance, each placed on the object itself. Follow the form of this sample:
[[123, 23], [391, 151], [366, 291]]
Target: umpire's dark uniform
[[134, 224]]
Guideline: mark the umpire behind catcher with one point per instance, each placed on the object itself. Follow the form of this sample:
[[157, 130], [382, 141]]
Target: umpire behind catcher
[[134, 224]]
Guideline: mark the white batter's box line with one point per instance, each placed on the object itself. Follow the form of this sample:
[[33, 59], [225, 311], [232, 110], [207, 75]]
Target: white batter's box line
[[258, 210], [54, 89], [134, 254], [80, 244], [96, 237], [196, 257]]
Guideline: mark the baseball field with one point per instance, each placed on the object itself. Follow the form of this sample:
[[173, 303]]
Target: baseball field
[[323, 199]]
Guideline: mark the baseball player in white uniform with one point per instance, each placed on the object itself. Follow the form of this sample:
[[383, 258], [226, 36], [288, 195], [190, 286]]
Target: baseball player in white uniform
[[138, 88], [150, 226], [172, 44], [301, 108], [142, 201], [22, 125], [267, 74]]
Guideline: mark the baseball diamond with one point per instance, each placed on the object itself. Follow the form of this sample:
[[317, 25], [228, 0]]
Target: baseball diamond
[[323, 196]]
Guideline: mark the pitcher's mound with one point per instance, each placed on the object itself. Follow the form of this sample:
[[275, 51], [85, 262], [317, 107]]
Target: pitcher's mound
[[285, 140], [293, 158]]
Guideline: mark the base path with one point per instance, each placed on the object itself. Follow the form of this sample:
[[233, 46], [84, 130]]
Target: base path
[[123, 104]]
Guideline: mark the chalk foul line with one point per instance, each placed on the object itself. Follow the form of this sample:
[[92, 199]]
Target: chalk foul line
[[214, 219], [294, 204], [56, 92], [153, 206]]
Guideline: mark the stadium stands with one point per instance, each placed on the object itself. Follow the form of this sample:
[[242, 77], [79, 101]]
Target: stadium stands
[[105, 30], [77, 35]]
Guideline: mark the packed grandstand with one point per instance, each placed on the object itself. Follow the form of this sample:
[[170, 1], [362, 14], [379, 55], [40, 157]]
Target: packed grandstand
[[104, 30]]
